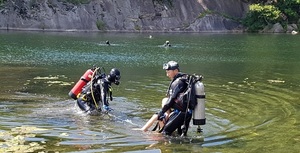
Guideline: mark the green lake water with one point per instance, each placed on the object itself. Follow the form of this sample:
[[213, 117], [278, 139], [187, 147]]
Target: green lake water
[[251, 82]]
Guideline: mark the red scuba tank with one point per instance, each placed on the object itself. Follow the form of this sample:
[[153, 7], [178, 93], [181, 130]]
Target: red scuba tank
[[87, 76]]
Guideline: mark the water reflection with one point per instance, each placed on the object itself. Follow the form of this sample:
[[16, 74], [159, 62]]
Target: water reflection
[[252, 89]]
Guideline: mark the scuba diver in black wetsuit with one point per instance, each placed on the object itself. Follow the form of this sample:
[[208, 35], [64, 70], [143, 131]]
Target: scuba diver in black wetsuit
[[173, 114], [94, 95], [107, 42], [167, 44]]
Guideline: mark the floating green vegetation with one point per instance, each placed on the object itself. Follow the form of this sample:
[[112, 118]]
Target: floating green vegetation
[[14, 140], [276, 81], [50, 80]]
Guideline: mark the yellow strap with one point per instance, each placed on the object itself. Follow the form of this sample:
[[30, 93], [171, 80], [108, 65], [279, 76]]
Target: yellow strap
[[78, 95], [92, 88], [83, 97]]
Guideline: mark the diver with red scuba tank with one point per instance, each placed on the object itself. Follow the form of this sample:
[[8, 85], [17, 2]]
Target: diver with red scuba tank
[[96, 90]]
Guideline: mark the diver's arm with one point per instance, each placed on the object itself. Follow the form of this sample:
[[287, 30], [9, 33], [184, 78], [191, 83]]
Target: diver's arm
[[104, 89], [171, 100]]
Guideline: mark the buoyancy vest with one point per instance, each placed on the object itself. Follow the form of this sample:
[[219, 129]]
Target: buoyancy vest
[[175, 93], [87, 92]]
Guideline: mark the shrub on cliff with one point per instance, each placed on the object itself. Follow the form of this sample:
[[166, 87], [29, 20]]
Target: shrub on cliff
[[270, 12], [260, 16]]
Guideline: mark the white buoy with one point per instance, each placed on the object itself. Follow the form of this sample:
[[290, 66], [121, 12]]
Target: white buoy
[[294, 32]]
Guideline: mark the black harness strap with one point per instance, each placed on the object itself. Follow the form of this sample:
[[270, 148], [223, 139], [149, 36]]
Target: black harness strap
[[200, 96], [155, 127]]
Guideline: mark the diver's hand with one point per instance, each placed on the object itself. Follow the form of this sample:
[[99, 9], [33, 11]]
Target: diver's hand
[[161, 116], [107, 108]]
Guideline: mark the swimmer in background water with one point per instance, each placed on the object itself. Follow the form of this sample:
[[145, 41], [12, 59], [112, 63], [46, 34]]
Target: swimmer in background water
[[107, 42], [167, 44]]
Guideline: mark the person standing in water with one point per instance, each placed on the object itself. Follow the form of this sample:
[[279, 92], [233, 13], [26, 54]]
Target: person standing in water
[[174, 105], [95, 95]]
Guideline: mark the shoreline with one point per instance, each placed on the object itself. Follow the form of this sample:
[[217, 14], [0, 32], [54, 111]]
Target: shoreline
[[119, 31], [140, 31]]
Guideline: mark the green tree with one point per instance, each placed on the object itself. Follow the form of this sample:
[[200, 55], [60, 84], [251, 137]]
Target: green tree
[[260, 16], [2, 1], [290, 9], [265, 12]]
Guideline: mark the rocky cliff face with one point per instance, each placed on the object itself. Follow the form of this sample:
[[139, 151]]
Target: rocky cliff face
[[123, 15]]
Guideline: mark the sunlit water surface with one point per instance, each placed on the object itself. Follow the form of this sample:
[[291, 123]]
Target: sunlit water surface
[[251, 84]]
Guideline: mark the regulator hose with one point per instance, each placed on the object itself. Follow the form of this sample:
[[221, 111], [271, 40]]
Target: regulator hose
[[92, 92], [187, 107]]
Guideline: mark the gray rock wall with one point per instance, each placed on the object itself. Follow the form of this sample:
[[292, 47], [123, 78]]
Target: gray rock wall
[[123, 15]]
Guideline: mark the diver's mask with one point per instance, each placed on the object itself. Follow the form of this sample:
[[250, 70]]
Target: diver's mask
[[117, 79], [171, 65]]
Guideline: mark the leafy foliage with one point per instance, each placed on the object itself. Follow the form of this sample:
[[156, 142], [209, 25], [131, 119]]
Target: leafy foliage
[[290, 8], [282, 11], [259, 16], [100, 25], [2, 1]]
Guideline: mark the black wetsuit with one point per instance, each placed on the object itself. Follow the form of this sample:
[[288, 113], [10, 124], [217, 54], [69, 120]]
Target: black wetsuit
[[178, 102], [177, 86], [88, 101], [105, 89]]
